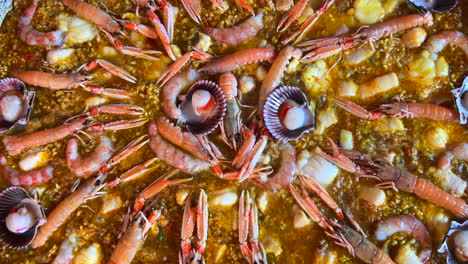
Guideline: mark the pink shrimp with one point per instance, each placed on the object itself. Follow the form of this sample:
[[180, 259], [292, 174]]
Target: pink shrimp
[[276, 72], [173, 88], [458, 151], [14, 145], [53, 81], [28, 34], [239, 58], [439, 41], [407, 224], [85, 166], [286, 173], [174, 156], [27, 178], [234, 35]]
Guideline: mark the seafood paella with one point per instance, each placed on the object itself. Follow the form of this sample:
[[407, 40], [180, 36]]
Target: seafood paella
[[233, 131]]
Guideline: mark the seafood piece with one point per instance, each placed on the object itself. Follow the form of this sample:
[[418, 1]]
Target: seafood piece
[[65, 254], [234, 60], [287, 113], [230, 129], [192, 252], [28, 34], [446, 179], [396, 178], [109, 67], [5, 7], [174, 156], [135, 172], [407, 224], [235, 35], [117, 109], [379, 85], [251, 248], [323, 48], [109, 92], [244, 5], [110, 202], [59, 56], [173, 88], [131, 51], [458, 151], [315, 186], [193, 8], [461, 101], [434, 5], [138, 224], [179, 63], [28, 178], [86, 191], [33, 160], [400, 110], [16, 103], [372, 196], [437, 42], [203, 107], [455, 243], [162, 33], [414, 37], [286, 174], [89, 255], [145, 30], [276, 72], [21, 217], [169, 13], [86, 166], [316, 167], [291, 15], [77, 30]]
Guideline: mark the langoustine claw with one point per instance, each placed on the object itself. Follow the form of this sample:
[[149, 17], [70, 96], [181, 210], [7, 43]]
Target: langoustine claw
[[231, 61], [27, 178]]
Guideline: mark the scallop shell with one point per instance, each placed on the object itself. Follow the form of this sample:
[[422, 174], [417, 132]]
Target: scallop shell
[[12, 84], [461, 97], [203, 126], [272, 106], [10, 198], [434, 5], [447, 243]]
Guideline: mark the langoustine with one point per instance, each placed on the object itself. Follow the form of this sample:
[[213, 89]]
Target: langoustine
[[27, 178], [231, 61], [234, 35]]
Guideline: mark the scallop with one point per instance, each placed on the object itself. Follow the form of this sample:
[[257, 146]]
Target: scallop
[[203, 107], [434, 5], [455, 243], [461, 101], [287, 113], [15, 104], [20, 216]]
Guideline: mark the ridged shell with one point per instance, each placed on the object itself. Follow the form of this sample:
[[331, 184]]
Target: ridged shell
[[9, 198], [12, 84], [447, 244], [271, 113], [209, 123], [461, 99], [435, 5]]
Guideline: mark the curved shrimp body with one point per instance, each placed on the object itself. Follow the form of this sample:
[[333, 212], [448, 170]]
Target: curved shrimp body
[[228, 82], [27, 33], [286, 173], [437, 42], [458, 151], [234, 35], [276, 72], [407, 224], [408, 182], [173, 88], [98, 17], [27, 178], [239, 58], [53, 81], [174, 156], [88, 190], [418, 110], [84, 167], [14, 145]]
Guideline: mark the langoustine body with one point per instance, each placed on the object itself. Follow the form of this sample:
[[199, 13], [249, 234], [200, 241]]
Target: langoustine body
[[239, 58], [234, 35]]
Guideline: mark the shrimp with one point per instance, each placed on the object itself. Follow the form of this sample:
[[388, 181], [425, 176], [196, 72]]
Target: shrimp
[[231, 123], [84, 167], [168, 17], [27, 178], [135, 172], [65, 254], [407, 224], [174, 156], [86, 191], [401, 110], [162, 33], [286, 173], [173, 88], [28, 34], [53, 81], [323, 48], [239, 58], [14, 145], [234, 35], [133, 237], [276, 72], [439, 41], [398, 179], [458, 151], [292, 15]]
